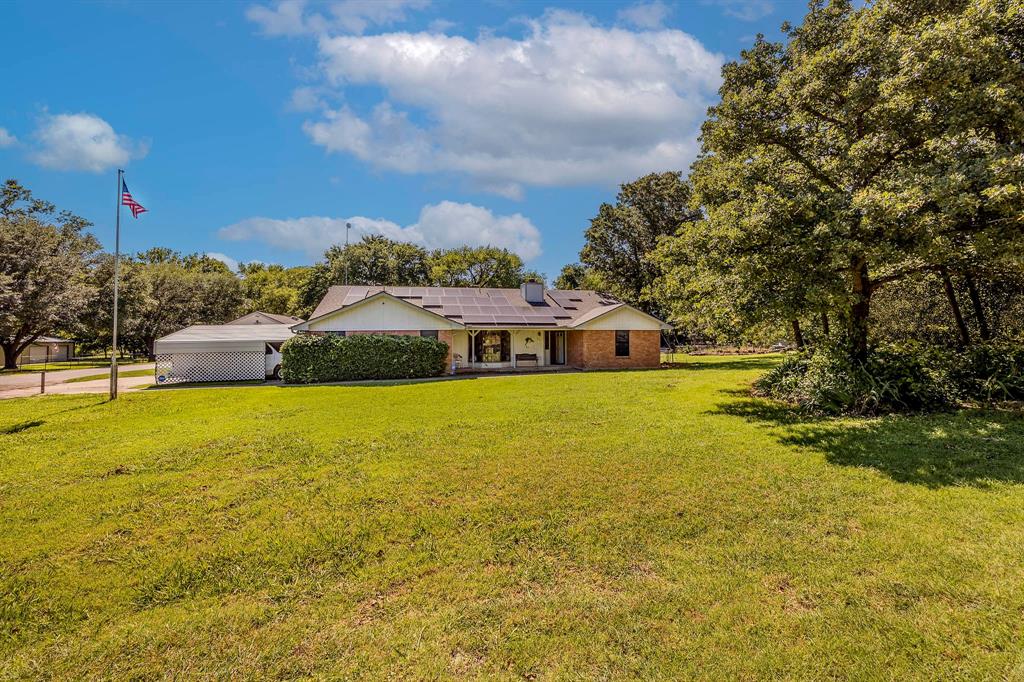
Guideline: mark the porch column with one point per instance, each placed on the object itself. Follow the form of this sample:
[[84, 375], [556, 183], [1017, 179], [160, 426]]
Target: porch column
[[512, 346]]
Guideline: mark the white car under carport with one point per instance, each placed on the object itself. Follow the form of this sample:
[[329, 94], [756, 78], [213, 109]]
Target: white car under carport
[[222, 352]]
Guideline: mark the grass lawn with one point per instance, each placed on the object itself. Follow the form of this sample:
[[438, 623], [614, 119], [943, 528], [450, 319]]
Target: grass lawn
[[121, 374], [612, 524], [78, 364]]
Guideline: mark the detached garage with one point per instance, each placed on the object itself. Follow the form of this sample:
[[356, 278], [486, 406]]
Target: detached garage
[[231, 352]]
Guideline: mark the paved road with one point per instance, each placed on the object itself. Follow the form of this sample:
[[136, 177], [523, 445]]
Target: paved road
[[22, 385]]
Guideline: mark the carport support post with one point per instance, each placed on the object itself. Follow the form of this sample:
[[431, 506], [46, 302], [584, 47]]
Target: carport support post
[[117, 264]]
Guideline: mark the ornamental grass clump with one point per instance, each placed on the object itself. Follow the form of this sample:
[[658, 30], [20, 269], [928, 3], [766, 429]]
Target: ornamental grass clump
[[896, 378], [827, 381]]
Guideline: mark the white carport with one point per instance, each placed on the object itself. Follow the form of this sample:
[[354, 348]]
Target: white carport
[[220, 352]]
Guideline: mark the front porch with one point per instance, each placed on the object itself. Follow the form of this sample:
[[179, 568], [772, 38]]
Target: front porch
[[509, 350]]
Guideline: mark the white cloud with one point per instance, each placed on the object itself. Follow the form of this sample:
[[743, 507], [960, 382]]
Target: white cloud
[[450, 224], [645, 15], [357, 15], [225, 259], [290, 18], [6, 139], [745, 10], [305, 99], [569, 103], [443, 225], [83, 142], [286, 18], [441, 26]]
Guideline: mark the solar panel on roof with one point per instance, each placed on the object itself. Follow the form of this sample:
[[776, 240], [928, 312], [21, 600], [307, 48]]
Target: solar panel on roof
[[510, 319]]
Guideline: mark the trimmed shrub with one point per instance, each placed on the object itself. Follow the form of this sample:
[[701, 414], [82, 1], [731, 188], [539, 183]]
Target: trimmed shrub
[[309, 359]]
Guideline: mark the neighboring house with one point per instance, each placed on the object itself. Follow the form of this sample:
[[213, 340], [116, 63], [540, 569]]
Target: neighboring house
[[45, 349], [499, 328], [248, 348], [259, 317]]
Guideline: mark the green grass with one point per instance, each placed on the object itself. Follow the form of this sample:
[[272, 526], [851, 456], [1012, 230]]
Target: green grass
[[77, 364], [615, 524], [106, 375]]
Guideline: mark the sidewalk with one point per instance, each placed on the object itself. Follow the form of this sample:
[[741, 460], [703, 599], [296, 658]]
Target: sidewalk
[[25, 385]]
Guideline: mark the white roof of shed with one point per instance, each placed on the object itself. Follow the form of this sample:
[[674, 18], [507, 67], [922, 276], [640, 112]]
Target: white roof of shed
[[223, 337]]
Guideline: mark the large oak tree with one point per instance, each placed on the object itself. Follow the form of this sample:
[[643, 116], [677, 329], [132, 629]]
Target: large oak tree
[[875, 143], [44, 266], [622, 237]]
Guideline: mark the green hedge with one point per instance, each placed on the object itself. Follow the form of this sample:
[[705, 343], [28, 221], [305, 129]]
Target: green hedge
[[308, 359]]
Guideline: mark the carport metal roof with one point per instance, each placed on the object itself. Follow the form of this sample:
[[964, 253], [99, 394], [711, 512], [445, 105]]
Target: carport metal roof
[[223, 338]]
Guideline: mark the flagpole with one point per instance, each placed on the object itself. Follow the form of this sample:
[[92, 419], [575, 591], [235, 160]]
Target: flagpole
[[117, 264]]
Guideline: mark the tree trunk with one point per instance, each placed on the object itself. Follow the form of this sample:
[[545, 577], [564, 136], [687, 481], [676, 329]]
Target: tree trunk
[[797, 336], [824, 323], [859, 309], [979, 311], [10, 357], [958, 316]]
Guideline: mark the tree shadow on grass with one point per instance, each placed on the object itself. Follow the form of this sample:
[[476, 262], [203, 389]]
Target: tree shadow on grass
[[739, 363], [966, 448], [20, 426]]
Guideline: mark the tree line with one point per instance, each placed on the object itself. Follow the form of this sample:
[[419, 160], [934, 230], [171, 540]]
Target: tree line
[[861, 181], [55, 279]]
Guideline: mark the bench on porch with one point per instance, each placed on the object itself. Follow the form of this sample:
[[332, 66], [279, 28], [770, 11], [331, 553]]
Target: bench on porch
[[526, 359]]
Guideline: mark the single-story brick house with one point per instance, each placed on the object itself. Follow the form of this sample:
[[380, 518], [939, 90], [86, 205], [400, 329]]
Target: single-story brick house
[[499, 328]]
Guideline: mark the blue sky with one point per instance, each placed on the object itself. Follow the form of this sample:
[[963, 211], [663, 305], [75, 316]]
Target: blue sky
[[256, 130]]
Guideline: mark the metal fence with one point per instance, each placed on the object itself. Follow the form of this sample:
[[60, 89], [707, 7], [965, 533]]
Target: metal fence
[[231, 366]]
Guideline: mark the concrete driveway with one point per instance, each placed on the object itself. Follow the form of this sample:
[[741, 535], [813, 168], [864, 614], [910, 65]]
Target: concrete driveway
[[24, 385]]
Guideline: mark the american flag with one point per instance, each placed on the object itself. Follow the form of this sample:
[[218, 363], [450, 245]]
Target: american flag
[[126, 200]]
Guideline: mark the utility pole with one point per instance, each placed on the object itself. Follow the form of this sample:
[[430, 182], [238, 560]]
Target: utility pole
[[348, 226]]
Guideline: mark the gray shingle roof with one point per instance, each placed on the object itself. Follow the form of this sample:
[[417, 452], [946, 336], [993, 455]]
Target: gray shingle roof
[[253, 318], [482, 307]]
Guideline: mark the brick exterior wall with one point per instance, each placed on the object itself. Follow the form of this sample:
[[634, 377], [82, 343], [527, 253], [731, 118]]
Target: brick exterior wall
[[586, 349], [595, 349], [446, 336]]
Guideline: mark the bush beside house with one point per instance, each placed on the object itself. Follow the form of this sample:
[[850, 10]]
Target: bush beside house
[[308, 359], [897, 378]]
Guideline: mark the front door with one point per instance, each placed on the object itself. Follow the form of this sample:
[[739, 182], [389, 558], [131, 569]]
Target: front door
[[557, 348]]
